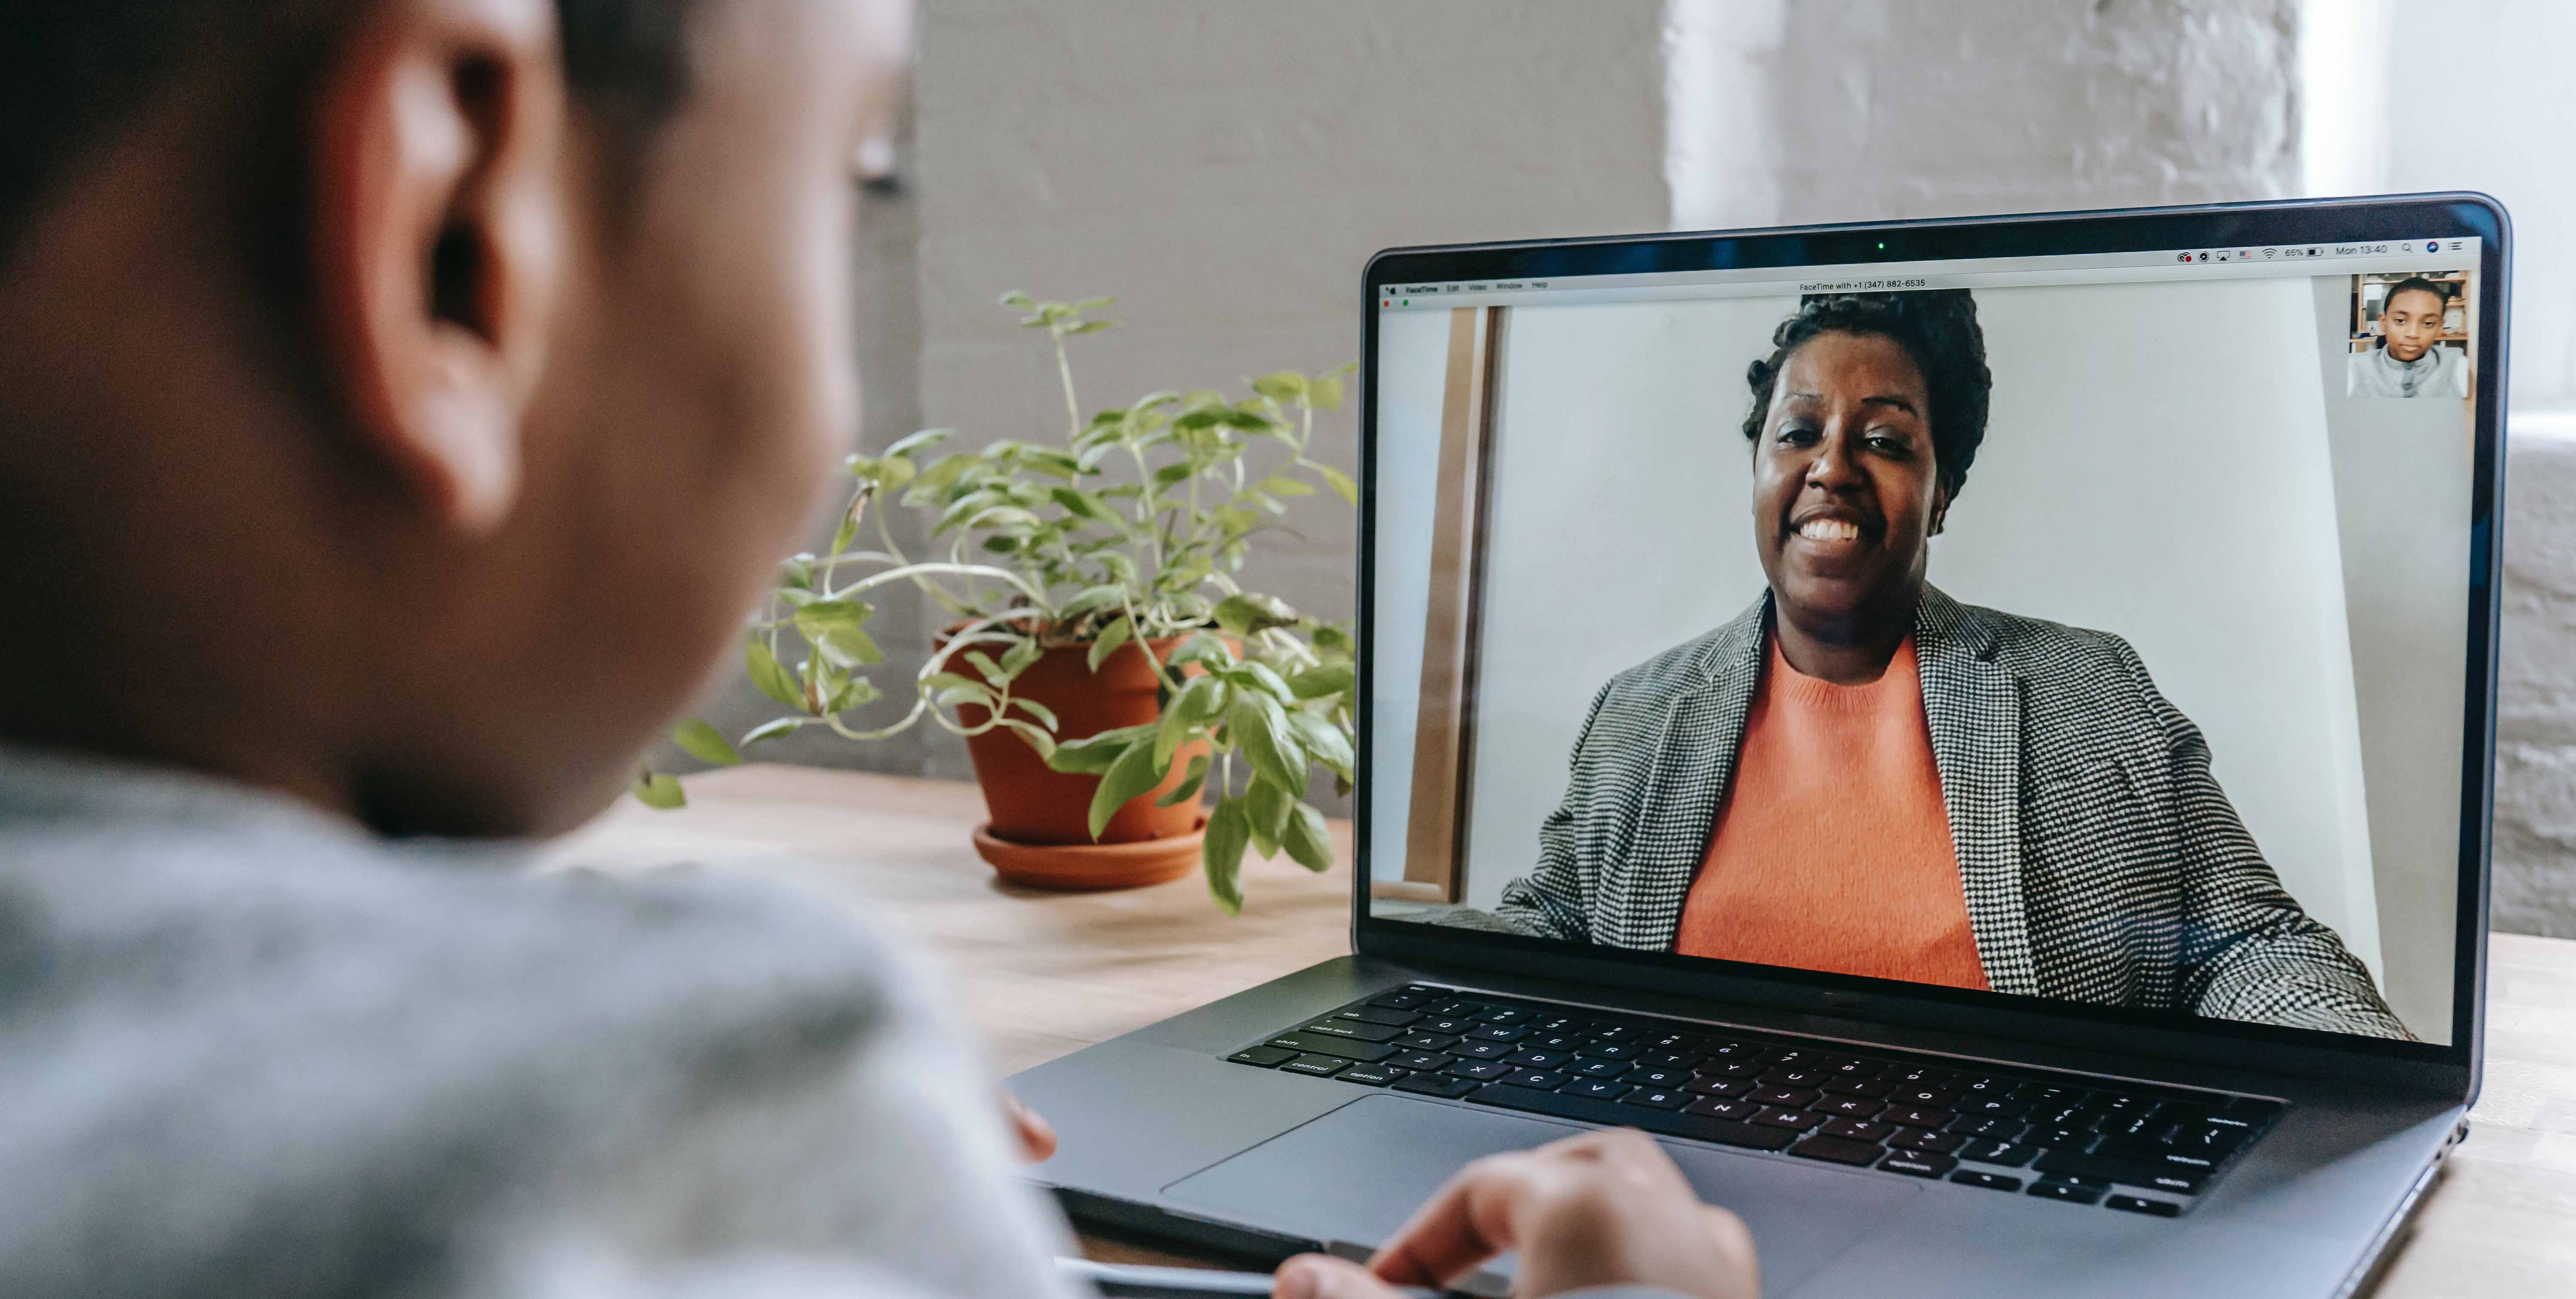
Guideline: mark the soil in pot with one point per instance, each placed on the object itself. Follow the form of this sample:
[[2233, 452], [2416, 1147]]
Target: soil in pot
[[1034, 804]]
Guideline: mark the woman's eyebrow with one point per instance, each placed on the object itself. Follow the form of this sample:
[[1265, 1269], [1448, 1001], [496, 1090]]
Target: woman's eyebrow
[[1898, 402]]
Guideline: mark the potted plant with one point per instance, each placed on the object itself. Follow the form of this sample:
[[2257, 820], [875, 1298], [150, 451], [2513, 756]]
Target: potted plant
[[1130, 708]]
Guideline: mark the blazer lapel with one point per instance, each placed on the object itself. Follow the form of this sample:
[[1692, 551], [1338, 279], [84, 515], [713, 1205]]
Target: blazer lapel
[[1640, 905], [1972, 705]]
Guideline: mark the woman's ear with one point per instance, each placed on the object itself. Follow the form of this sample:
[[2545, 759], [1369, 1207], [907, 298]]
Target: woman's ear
[[438, 224], [1940, 509]]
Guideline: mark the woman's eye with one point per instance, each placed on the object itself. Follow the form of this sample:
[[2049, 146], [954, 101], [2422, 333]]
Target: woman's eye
[[1796, 434], [1885, 444]]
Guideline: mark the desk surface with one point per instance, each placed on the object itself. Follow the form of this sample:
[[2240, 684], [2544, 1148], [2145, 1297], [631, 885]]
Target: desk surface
[[1043, 974]]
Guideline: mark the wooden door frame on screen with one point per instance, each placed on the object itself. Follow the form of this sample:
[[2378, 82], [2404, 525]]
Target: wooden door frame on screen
[[1435, 836]]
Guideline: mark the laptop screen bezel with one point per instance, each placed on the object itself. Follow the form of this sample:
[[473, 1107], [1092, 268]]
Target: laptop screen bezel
[[2164, 1034]]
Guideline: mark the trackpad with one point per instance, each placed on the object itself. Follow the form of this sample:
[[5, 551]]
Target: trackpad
[[1357, 1173]]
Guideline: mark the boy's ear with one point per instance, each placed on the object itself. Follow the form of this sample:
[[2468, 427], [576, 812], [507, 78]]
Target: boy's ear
[[438, 222]]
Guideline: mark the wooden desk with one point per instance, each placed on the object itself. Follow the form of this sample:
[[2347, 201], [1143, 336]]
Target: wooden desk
[[1043, 974]]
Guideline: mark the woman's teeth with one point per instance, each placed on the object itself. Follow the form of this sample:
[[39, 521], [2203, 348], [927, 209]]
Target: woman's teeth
[[1829, 530]]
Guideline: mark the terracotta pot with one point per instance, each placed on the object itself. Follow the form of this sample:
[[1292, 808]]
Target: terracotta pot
[[1034, 806]]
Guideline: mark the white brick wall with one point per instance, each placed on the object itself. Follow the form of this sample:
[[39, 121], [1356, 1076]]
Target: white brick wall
[[2535, 815]]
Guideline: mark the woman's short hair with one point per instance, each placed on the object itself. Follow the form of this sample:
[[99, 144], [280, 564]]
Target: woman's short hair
[[1938, 330]]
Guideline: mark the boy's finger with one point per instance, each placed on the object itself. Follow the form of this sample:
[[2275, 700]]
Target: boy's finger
[[1322, 1276], [1464, 1223]]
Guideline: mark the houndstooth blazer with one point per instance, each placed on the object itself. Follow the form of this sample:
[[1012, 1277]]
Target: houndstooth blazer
[[2101, 861]]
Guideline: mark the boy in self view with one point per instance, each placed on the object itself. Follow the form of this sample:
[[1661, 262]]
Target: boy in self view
[[401, 402], [2410, 360]]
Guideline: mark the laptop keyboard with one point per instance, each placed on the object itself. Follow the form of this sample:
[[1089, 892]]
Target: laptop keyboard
[[2024, 1132]]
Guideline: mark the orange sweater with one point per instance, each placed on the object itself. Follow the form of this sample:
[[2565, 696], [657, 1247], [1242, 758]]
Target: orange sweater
[[1832, 850]]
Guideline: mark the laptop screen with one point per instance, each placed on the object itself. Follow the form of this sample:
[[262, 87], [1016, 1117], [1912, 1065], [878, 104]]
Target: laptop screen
[[2083, 627]]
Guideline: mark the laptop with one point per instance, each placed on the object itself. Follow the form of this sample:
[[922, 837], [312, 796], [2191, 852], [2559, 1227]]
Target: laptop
[[1977, 734]]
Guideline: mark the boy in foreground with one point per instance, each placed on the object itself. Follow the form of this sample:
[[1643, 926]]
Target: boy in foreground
[[403, 400]]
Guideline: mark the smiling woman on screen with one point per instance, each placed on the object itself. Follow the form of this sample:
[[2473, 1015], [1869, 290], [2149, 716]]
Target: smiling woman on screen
[[1859, 774]]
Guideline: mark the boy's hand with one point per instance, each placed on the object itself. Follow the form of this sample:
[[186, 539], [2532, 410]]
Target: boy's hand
[[1606, 1208]]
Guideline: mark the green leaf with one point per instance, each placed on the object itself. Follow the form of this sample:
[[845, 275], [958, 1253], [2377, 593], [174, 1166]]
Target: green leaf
[[1307, 841], [1262, 675], [1037, 710], [1325, 392], [1286, 385], [1260, 726], [658, 790], [1205, 647], [1317, 683], [1090, 598], [1037, 739], [773, 729], [1170, 474], [969, 693], [1018, 300], [1340, 482], [1189, 786], [1110, 638], [1093, 754], [704, 743], [835, 628], [1093, 304], [771, 675], [1266, 811], [1320, 737], [984, 663], [949, 680], [853, 693], [1076, 502], [929, 437], [846, 533], [1244, 613], [1132, 774], [1282, 485], [1091, 327], [1017, 659], [1221, 851]]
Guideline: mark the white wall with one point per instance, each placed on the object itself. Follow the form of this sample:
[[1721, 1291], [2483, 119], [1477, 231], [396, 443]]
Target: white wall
[[1857, 110], [1227, 169], [2190, 506]]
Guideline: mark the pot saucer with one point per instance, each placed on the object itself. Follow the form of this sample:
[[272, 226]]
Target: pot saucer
[[1091, 865]]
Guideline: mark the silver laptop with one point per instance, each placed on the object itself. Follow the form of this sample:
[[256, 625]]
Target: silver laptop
[[1978, 734]]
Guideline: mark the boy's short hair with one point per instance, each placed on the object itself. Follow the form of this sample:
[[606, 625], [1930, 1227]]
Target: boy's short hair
[[2417, 284], [71, 70]]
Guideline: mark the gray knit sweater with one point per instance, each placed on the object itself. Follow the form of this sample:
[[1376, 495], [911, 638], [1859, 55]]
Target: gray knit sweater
[[246, 1049]]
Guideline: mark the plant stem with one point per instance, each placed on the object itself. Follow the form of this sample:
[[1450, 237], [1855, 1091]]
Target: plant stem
[[1064, 371]]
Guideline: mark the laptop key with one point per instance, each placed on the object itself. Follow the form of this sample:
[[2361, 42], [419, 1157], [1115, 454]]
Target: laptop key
[[1315, 1044], [1265, 1056], [1870, 1088], [1426, 1041], [1914, 1117], [1418, 1060], [2066, 1191], [1373, 1075], [1600, 1050], [1598, 1068], [1483, 1050], [1480, 1070], [1443, 1024], [1849, 1107], [1548, 1041], [1460, 1008], [1354, 1030], [1794, 1098], [1734, 1111], [1498, 1033], [1786, 1120], [1673, 1123], [1538, 1059], [1860, 1129], [1432, 1084], [1401, 1001], [1674, 1078], [1322, 1066], [1990, 1181], [2141, 1204], [1711, 1085], [1997, 1152], [1660, 1098], [1920, 1139], [1987, 1125], [1507, 1015], [1374, 1014], [1537, 1079], [2068, 1163], [1598, 1088], [1837, 1150], [1918, 1165]]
